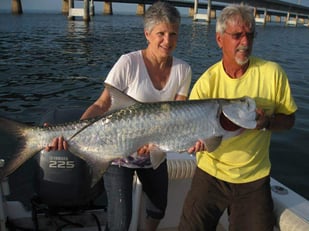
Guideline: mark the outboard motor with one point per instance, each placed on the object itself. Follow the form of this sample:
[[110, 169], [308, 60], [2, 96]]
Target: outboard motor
[[62, 180]]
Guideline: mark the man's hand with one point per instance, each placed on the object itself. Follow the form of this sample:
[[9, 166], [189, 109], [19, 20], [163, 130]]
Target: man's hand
[[198, 147], [262, 120]]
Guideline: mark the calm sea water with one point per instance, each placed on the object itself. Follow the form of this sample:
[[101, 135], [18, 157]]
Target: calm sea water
[[47, 61]]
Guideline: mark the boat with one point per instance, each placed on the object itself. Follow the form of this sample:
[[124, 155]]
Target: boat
[[49, 211], [291, 209]]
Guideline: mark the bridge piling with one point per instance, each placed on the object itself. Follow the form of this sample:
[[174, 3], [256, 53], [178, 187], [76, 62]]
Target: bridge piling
[[65, 7], [70, 7], [92, 13], [140, 10], [108, 8], [82, 12], [86, 16], [261, 20], [17, 7], [197, 16], [289, 21], [191, 12]]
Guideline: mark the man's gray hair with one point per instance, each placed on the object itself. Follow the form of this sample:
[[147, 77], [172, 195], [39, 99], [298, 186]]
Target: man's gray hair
[[230, 13]]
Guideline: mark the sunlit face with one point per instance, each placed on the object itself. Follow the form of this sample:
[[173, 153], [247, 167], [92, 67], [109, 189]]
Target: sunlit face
[[236, 43], [162, 40]]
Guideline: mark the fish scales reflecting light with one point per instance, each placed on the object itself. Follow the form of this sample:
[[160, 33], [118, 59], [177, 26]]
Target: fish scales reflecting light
[[129, 124]]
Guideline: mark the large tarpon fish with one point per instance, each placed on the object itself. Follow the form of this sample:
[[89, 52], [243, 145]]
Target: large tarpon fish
[[129, 124]]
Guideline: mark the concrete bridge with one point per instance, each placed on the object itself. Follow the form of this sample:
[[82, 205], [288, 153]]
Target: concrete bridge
[[264, 10]]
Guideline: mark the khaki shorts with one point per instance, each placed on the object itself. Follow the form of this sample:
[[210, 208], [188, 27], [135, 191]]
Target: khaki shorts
[[249, 205]]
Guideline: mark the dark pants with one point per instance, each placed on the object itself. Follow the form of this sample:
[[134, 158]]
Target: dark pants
[[249, 205], [118, 185]]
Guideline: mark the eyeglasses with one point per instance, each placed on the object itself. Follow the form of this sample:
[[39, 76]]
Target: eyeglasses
[[240, 35]]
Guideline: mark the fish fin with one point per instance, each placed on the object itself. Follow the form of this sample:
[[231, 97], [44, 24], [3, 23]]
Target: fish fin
[[25, 148], [119, 99], [97, 167], [97, 172], [212, 143], [157, 156]]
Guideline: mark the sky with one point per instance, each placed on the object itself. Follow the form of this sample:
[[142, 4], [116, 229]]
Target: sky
[[56, 6]]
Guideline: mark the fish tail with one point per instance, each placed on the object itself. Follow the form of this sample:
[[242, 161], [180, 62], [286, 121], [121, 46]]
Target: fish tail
[[24, 149]]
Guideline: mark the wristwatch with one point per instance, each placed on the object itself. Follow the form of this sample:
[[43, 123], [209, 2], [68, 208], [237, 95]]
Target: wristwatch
[[267, 124]]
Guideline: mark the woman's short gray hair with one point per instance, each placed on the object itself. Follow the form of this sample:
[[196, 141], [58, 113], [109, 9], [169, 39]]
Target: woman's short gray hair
[[161, 12], [230, 13]]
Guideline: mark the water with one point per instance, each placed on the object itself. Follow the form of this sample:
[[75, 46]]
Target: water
[[47, 61]]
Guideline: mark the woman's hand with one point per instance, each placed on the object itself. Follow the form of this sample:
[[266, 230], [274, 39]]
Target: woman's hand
[[57, 144], [145, 149]]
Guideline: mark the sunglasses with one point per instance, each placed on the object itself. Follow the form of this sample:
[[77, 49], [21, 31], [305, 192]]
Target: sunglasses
[[240, 35]]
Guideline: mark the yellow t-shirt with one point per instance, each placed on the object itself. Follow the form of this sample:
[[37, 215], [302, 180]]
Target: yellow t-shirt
[[244, 158]]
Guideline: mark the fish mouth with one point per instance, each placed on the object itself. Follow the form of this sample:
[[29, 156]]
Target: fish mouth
[[241, 113], [227, 124]]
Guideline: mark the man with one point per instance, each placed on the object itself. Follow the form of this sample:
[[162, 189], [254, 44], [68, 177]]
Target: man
[[236, 176]]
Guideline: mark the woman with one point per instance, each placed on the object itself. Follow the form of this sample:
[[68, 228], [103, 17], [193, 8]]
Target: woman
[[148, 75]]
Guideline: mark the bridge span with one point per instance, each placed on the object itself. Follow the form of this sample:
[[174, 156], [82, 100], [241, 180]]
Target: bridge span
[[264, 10]]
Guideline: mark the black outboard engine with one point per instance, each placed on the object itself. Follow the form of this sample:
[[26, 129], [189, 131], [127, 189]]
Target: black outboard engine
[[62, 180]]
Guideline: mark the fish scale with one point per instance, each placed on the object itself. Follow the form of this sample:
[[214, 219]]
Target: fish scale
[[168, 125]]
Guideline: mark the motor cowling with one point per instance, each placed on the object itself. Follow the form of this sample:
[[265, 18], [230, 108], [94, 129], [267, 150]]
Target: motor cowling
[[63, 179]]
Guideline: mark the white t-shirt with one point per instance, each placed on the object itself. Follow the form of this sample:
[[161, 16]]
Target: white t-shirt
[[130, 75]]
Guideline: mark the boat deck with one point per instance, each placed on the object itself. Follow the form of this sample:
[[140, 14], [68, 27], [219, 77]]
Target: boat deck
[[91, 220], [291, 210]]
